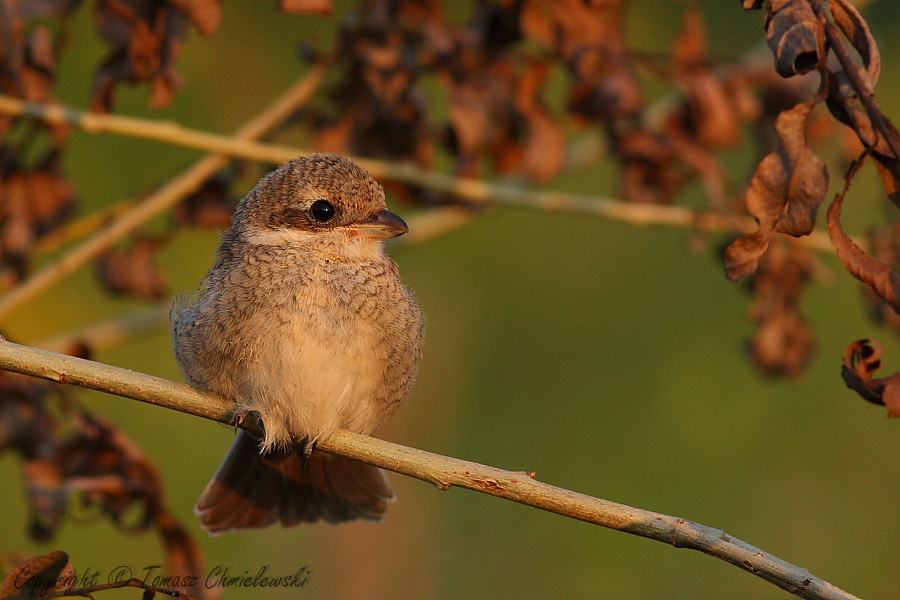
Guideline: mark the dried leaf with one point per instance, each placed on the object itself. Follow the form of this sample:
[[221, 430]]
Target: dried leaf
[[847, 17], [210, 206], [25, 420], [536, 22], [39, 575], [783, 342], [184, 559], [712, 116], [889, 179], [133, 270], [795, 36], [308, 7], [146, 38], [545, 141], [742, 256], [883, 280], [206, 15], [784, 194], [861, 359]]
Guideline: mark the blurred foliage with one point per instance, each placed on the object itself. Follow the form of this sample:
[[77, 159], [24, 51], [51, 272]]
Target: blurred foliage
[[606, 358]]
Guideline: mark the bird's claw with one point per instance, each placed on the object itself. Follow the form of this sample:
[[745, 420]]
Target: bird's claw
[[251, 421], [307, 447]]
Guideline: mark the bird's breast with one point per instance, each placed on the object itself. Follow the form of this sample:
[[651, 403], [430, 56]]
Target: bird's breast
[[335, 353]]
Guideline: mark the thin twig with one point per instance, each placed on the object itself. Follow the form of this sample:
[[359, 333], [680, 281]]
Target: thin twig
[[442, 471], [88, 591], [100, 336], [175, 190], [79, 228], [866, 94], [473, 190]]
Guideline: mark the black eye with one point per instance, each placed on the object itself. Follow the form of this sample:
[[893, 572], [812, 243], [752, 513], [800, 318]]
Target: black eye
[[322, 211]]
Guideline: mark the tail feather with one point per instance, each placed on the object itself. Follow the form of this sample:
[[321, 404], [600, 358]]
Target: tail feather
[[252, 491]]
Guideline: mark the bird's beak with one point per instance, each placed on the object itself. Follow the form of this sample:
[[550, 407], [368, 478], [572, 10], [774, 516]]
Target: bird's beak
[[383, 225]]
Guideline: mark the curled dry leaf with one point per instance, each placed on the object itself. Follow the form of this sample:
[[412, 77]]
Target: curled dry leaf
[[784, 193], [847, 17], [861, 359], [885, 245], [883, 280], [39, 576], [795, 36]]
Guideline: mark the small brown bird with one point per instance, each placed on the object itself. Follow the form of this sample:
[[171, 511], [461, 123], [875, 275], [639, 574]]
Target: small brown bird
[[303, 319]]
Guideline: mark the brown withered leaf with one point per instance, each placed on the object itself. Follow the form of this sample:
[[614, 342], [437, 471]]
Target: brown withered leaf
[[206, 15], [885, 245], [861, 359], [883, 280], [133, 270], [25, 420], [742, 256], [784, 193], [545, 141], [183, 556], [537, 23], [38, 576], [589, 37], [847, 17], [712, 116], [33, 201], [794, 35], [146, 38], [889, 178], [648, 166], [210, 206], [783, 342], [307, 7]]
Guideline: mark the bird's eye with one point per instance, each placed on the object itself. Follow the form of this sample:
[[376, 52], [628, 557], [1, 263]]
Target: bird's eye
[[322, 211]]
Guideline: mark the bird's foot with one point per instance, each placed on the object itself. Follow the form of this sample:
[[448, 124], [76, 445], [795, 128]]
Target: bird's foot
[[307, 446], [250, 421]]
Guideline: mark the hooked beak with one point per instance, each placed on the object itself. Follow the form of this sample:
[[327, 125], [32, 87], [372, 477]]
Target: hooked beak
[[383, 225]]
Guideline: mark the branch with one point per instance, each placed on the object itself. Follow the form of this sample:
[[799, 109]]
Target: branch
[[442, 471], [168, 195], [866, 94], [475, 191], [105, 334]]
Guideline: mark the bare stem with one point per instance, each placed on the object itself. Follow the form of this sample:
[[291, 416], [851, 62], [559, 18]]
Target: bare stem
[[102, 335], [867, 95], [442, 471], [175, 190], [475, 191]]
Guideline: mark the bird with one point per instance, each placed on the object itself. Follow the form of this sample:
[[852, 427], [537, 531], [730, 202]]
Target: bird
[[304, 323]]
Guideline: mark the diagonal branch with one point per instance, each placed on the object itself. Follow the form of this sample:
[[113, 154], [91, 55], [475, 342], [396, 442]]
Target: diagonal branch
[[442, 471], [168, 195]]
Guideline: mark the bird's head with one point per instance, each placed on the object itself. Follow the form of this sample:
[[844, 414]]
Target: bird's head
[[323, 198]]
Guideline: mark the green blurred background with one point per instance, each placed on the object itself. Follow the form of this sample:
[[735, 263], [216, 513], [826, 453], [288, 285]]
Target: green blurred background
[[606, 358]]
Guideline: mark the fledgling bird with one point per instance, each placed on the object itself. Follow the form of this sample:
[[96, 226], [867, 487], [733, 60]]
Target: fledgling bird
[[303, 319]]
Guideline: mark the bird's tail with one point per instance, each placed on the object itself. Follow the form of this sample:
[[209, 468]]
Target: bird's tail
[[252, 490]]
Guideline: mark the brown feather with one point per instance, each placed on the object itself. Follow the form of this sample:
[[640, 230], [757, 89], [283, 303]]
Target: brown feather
[[252, 490]]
